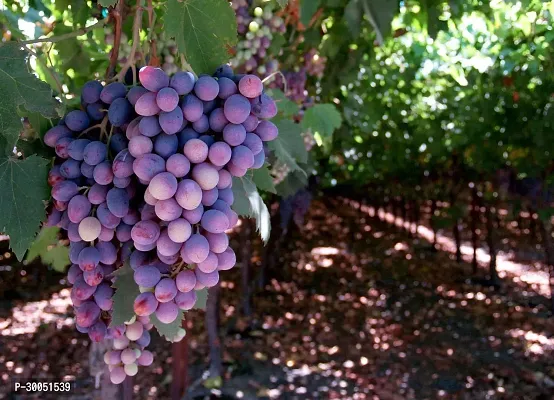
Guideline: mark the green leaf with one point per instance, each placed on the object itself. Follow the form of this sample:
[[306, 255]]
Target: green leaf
[[285, 106], [293, 182], [201, 299], [322, 119], [169, 331], [48, 248], [203, 30], [249, 203], [307, 10], [282, 3], [353, 17], [263, 180], [380, 14], [24, 188], [289, 146], [126, 290], [107, 3], [20, 88]]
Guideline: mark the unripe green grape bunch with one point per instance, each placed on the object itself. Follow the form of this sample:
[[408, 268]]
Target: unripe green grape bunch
[[143, 176]]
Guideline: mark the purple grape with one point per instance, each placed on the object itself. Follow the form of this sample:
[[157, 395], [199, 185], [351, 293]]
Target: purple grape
[[145, 304], [214, 221], [178, 165], [224, 71], [171, 122], [118, 142], [146, 105], [77, 120], [163, 186], [206, 88], [263, 107], [234, 134], [195, 150], [206, 175], [169, 260], [165, 290], [62, 146], [98, 331], [189, 194], [167, 312], [185, 135], [121, 183], [209, 264], [54, 217], [242, 157], [219, 154], [132, 129], [207, 279], [185, 301], [103, 296], [137, 259], [78, 208], [192, 108], [94, 153], [87, 314], [123, 164], [179, 230], [123, 232], [250, 86], [225, 179], [145, 232], [54, 175], [148, 166], [208, 106], [251, 123], [140, 145], [73, 273], [208, 139], [201, 125], [76, 149], [149, 199], [168, 210], [236, 171], [73, 232], [54, 134], [97, 193], [132, 217], [166, 246], [226, 260], [227, 88], [259, 160], [81, 290], [90, 93], [106, 234], [196, 248], [209, 197], [143, 341], [167, 99], [193, 216], [113, 91], [120, 112], [166, 145], [62, 206], [103, 173], [146, 358], [237, 108], [108, 253], [117, 201], [218, 242], [227, 196], [217, 120], [182, 82], [70, 169], [185, 281], [267, 131], [149, 126], [147, 213], [65, 190], [147, 276], [106, 217], [89, 258], [74, 250], [134, 94], [96, 111], [153, 79], [254, 143], [87, 170], [95, 276]]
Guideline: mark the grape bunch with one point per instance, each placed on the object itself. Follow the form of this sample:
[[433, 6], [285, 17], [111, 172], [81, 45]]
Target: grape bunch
[[144, 175], [314, 63]]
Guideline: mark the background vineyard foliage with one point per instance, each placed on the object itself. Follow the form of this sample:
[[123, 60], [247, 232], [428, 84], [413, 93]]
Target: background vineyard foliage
[[430, 95]]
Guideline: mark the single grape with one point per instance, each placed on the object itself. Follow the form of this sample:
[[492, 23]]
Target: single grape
[[189, 194], [267, 131], [94, 153], [113, 91], [77, 120], [54, 175], [147, 213], [206, 175], [209, 197], [128, 355], [172, 121], [224, 71], [120, 112], [145, 232], [166, 145], [106, 234], [106, 217], [214, 221], [96, 111], [167, 312], [219, 154], [206, 88], [237, 108], [78, 208], [118, 142], [263, 107], [123, 164], [87, 170], [259, 160], [251, 123], [179, 230], [182, 82], [167, 247], [112, 357], [201, 125], [234, 134], [76, 149], [254, 143], [97, 193], [192, 108], [108, 253], [218, 242], [144, 339], [134, 94], [121, 343], [225, 179], [65, 190], [242, 157], [227, 88], [167, 99], [54, 134], [146, 105], [90, 93], [123, 232], [207, 279], [132, 129], [89, 258], [178, 165], [149, 199], [209, 264], [147, 276], [74, 250], [70, 169], [117, 201], [196, 248], [168, 210], [94, 277], [149, 127], [185, 281], [217, 120], [236, 171], [226, 260], [87, 314], [163, 186], [185, 135], [250, 86], [153, 79], [103, 296], [62, 146], [148, 166], [121, 183], [132, 217], [165, 290], [186, 300], [89, 229], [146, 358], [82, 290]]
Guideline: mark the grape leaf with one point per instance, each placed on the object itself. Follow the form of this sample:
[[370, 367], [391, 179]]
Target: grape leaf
[[107, 3], [263, 180], [126, 290], [307, 10], [353, 17], [201, 299], [249, 203], [203, 30], [24, 188], [289, 145], [293, 182], [48, 248], [380, 14], [286, 107], [20, 88], [168, 330], [322, 119]]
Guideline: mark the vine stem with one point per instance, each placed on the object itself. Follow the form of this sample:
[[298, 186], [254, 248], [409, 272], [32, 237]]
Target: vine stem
[[78, 32], [137, 24], [154, 61], [117, 15], [282, 76]]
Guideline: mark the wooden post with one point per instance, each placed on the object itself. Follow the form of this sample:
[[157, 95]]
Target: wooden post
[[180, 356]]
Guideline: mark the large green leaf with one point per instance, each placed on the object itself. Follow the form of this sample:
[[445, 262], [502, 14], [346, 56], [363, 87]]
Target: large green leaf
[[289, 146], [322, 119], [307, 10], [126, 290], [249, 203], [48, 248], [24, 190], [380, 14], [169, 331], [203, 30], [263, 180], [20, 88]]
